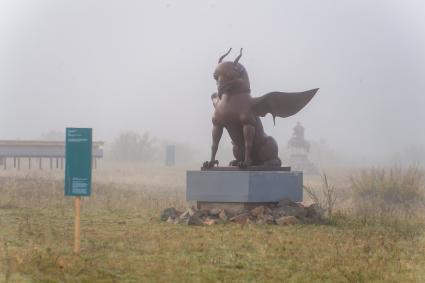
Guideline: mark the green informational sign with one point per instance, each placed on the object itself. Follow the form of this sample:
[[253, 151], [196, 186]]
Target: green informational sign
[[78, 161]]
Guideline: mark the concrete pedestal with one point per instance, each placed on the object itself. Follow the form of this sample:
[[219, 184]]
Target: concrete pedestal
[[243, 187]]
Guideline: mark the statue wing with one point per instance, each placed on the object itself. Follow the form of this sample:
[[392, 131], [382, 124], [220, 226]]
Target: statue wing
[[281, 104]]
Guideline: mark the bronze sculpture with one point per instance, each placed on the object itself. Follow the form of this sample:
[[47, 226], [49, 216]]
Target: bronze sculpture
[[239, 113]]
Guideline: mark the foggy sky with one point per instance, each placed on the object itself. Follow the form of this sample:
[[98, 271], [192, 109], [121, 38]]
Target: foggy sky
[[147, 66]]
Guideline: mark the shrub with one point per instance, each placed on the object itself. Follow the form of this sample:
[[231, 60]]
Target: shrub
[[388, 193], [325, 196]]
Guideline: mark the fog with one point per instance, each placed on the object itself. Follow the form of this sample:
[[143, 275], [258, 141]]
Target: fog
[[147, 66]]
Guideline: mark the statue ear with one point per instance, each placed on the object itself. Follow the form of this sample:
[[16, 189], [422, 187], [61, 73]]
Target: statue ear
[[239, 57], [222, 57]]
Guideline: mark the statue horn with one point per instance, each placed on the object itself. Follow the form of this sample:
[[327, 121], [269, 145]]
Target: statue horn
[[222, 57], [239, 57]]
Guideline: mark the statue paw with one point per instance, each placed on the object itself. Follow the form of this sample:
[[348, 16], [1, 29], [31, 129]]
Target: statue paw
[[234, 163], [244, 164], [209, 164]]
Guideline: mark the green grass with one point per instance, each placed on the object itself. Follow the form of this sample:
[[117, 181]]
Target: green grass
[[124, 241], [124, 246]]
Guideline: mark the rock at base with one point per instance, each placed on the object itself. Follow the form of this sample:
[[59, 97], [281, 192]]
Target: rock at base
[[215, 211], [286, 210], [194, 220], [314, 211], [223, 215], [242, 218], [258, 211], [168, 213], [286, 220], [210, 222], [287, 202]]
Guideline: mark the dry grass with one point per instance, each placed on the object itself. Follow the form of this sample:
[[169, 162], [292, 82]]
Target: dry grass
[[124, 241], [387, 194]]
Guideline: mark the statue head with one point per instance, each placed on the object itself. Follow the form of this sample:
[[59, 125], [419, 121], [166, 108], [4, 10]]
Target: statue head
[[231, 75]]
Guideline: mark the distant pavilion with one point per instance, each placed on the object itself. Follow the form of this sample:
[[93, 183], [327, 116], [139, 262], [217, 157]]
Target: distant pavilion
[[40, 151]]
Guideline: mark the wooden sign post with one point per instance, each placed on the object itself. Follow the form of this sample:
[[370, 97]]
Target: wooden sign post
[[78, 166], [77, 232]]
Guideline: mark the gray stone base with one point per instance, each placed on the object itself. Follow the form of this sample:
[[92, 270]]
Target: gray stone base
[[244, 186]]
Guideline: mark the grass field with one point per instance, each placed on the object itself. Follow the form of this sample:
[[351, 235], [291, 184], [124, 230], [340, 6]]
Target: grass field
[[124, 241]]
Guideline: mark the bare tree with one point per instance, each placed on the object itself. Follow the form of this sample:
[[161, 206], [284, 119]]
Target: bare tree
[[131, 146]]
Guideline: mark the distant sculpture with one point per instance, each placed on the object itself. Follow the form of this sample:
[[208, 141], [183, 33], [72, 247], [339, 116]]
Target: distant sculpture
[[297, 140], [299, 148], [239, 113]]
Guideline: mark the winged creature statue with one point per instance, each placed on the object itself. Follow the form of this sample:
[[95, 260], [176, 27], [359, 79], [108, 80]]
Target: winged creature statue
[[239, 113]]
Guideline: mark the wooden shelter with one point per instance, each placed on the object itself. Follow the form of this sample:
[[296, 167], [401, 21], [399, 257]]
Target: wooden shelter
[[40, 150]]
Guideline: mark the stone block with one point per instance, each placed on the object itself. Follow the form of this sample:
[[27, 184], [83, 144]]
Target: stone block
[[244, 186]]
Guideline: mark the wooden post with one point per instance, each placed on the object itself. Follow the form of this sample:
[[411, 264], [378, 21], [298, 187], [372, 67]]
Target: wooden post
[[51, 163], [29, 162], [40, 163], [77, 225], [14, 162], [19, 163], [5, 163]]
